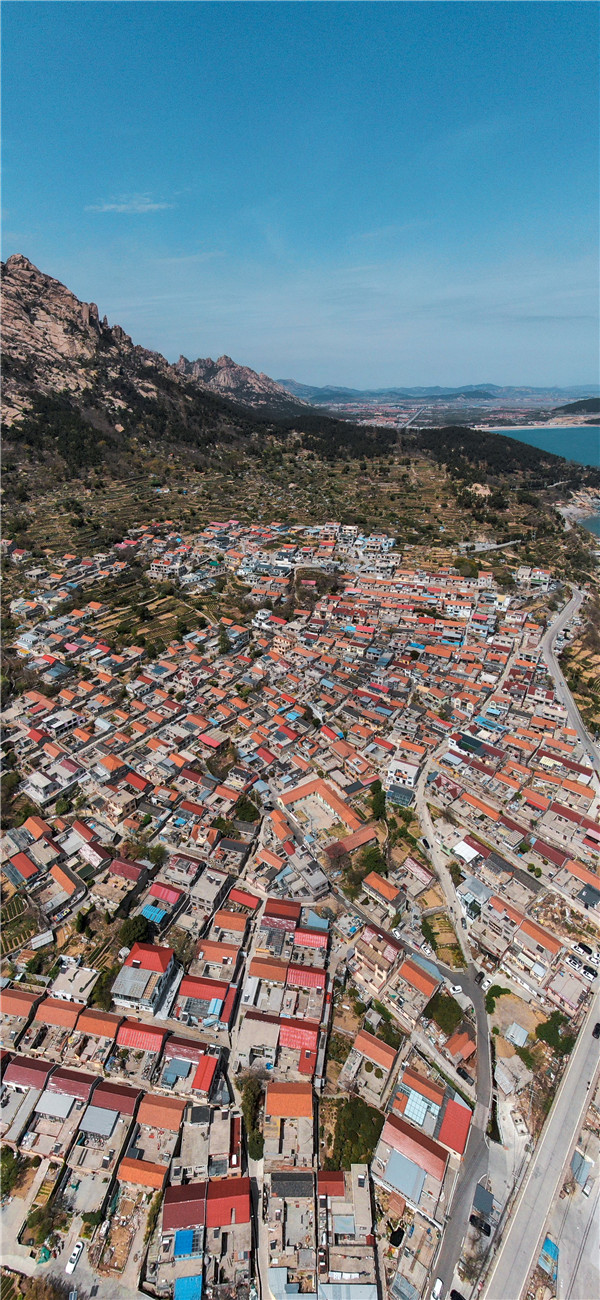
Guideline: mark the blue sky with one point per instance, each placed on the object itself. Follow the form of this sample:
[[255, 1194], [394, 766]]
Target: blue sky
[[349, 193]]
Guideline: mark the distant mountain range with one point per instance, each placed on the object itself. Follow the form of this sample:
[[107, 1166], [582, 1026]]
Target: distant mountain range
[[473, 393]]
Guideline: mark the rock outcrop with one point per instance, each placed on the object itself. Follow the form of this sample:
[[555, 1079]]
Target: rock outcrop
[[239, 383], [54, 343]]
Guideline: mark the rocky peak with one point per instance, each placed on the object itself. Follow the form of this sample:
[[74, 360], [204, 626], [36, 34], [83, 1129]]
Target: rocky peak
[[54, 343], [239, 383]]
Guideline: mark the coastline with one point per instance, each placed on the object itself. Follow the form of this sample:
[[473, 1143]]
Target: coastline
[[584, 504], [564, 423]]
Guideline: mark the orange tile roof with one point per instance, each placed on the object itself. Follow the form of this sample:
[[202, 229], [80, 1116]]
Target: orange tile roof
[[374, 1049], [143, 1173], [289, 1100]]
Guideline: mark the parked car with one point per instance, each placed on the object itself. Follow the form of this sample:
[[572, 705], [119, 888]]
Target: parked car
[[596, 1030], [456, 988], [74, 1257], [487, 984], [456, 1295], [589, 973], [480, 1225], [462, 1073], [479, 978]]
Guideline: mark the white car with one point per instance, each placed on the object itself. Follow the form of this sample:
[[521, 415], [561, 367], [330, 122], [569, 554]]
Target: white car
[[487, 984], [456, 988], [74, 1257]]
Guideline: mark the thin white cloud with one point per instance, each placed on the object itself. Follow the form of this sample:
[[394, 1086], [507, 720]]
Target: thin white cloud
[[135, 204]]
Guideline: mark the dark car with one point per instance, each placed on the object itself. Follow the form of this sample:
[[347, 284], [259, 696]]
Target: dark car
[[456, 1295], [463, 1075], [480, 1224], [480, 976], [596, 1030]]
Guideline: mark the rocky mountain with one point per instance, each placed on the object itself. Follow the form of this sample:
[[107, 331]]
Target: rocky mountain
[[52, 343], [239, 384]]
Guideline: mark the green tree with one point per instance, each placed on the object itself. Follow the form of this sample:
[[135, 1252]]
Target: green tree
[[11, 1167], [256, 1145], [136, 929], [158, 855], [101, 992], [378, 800]]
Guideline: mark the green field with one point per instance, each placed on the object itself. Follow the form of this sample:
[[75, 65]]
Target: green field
[[16, 935], [14, 908]]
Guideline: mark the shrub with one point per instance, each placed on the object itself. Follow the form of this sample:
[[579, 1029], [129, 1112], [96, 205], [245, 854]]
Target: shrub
[[491, 997], [445, 1011], [256, 1145], [551, 1032]]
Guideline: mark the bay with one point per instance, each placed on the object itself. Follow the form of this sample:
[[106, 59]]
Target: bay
[[580, 442]]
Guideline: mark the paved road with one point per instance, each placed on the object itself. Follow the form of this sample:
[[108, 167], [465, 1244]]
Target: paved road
[[555, 671], [521, 1243], [475, 1161]]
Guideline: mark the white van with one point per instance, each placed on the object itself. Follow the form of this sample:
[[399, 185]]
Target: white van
[[438, 1287]]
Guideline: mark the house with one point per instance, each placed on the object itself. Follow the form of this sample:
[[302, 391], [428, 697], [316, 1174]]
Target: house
[[384, 893], [144, 977]]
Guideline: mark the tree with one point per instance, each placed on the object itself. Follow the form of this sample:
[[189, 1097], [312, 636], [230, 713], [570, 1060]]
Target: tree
[[245, 810], [81, 922], [101, 992], [11, 1167], [135, 930], [158, 855], [224, 642], [256, 1145], [378, 800]]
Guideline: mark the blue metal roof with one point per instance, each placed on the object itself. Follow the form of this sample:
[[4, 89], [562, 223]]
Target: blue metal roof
[[184, 1242], [153, 913], [188, 1288]]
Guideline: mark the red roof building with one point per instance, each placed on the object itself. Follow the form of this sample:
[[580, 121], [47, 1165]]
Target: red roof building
[[416, 1146], [148, 956], [305, 977], [142, 1173], [98, 1024], [14, 1002], [299, 1035], [126, 870], [27, 1072], [72, 1082], [204, 1076], [117, 1096], [455, 1126], [140, 1037], [165, 893], [243, 899], [304, 938], [161, 1112], [55, 1011]]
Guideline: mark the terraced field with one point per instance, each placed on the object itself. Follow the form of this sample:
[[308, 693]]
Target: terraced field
[[14, 936]]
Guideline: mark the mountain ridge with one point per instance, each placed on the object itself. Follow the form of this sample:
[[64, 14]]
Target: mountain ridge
[[471, 392], [239, 383], [53, 342]]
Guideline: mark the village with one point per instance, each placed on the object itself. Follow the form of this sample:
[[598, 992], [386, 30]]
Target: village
[[300, 905]]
